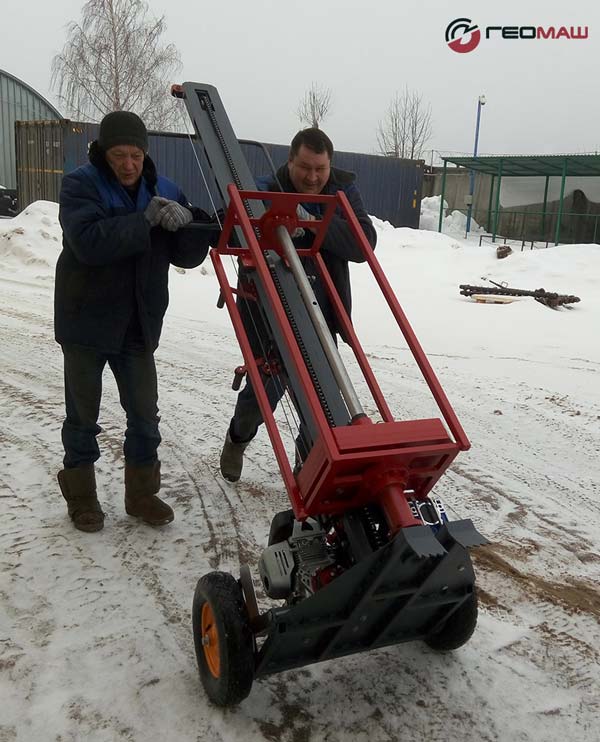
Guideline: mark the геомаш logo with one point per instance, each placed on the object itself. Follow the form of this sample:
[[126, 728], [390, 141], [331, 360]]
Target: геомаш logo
[[462, 35]]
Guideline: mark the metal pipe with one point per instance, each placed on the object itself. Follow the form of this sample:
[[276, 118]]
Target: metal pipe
[[404, 325], [322, 329], [499, 184], [489, 214], [544, 207], [480, 103], [353, 341], [560, 202], [442, 198]]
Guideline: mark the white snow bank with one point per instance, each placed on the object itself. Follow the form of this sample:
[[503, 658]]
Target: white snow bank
[[31, 240], [453, 223], [425, 269]]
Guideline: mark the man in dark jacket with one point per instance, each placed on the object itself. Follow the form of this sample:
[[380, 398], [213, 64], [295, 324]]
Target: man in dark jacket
[[123, 225], [308, 170]]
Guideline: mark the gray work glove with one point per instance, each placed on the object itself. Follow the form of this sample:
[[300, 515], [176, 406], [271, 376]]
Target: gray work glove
[[301, 213], [173, 216], [152, 212]]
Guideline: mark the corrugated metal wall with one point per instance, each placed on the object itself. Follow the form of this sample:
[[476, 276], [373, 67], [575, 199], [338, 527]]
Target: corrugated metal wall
[[39, 151], [18, 102], [391, 188]]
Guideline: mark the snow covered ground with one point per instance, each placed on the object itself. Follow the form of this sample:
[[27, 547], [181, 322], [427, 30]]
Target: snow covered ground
[[95, 637]]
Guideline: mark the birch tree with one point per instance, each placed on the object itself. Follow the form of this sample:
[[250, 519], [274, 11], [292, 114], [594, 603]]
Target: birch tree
[[406, 126], [114, 59], [315, 105]]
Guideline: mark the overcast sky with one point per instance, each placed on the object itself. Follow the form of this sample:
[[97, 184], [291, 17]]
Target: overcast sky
[[542, 95]]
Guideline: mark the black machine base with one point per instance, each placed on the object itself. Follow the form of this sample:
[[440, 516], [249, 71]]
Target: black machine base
[[404, 591]]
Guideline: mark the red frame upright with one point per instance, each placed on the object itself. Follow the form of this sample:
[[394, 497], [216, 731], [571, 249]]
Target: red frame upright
[[389, 462]]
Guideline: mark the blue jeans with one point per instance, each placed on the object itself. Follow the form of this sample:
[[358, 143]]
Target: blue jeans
[[135, 373]]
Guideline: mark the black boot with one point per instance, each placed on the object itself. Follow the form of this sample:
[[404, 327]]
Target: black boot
[[141, 485], [78, 487], [232, 459], [297, 463]]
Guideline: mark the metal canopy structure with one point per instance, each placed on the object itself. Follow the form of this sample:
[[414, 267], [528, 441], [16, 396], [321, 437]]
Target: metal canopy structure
[[524, 165], [548, 166]]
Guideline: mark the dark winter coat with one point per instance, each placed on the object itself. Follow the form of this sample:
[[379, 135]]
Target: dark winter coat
[[339, 247], [112, 273]]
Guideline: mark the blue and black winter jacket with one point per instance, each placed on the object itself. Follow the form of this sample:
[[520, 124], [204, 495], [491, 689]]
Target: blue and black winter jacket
[[339, 247], [113, 265]]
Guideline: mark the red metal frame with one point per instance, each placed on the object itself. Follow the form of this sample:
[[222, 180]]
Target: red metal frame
[[389, 462]]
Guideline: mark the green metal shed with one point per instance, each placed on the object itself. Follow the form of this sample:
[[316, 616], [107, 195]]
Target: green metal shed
[[547, 166]]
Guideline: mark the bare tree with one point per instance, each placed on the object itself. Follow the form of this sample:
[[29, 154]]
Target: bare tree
[[315, 105], [406, 127], [114, 60]]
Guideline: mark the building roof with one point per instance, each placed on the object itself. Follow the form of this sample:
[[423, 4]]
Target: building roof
[[524, 165], [35, 93]]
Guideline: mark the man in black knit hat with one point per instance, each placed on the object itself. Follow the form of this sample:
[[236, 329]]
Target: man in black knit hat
[[123, 225]]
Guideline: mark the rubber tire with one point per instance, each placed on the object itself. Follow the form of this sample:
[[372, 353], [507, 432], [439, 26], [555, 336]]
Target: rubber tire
[[282, 527], [236, 642], [458, 628]]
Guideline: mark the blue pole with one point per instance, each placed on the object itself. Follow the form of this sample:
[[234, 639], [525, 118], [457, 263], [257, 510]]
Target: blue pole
[[442, 198], [480, 103]]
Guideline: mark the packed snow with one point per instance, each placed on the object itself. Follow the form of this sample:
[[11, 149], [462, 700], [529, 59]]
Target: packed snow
[[95, 635], [453, 223]]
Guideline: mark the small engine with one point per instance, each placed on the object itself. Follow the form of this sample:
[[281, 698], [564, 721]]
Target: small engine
[[297, 567]]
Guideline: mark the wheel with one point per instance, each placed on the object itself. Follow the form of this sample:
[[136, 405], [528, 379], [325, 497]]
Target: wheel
[[248, 593], [282, 526], [457, 629], [223, 639]]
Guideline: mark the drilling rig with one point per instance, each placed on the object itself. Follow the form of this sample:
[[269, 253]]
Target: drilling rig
[[365, 556]]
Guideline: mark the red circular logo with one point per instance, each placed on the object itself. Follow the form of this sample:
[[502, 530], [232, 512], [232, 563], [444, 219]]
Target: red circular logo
[[462, 35]]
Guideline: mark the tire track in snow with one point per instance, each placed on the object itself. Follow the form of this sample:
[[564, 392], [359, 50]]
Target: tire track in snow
[[141, 581]]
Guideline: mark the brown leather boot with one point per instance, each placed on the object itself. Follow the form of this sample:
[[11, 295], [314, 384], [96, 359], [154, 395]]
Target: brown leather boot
[[141, 485], [78, 487]]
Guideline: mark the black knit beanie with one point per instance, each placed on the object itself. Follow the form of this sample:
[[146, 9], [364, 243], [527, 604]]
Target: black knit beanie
[[122, 127]]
